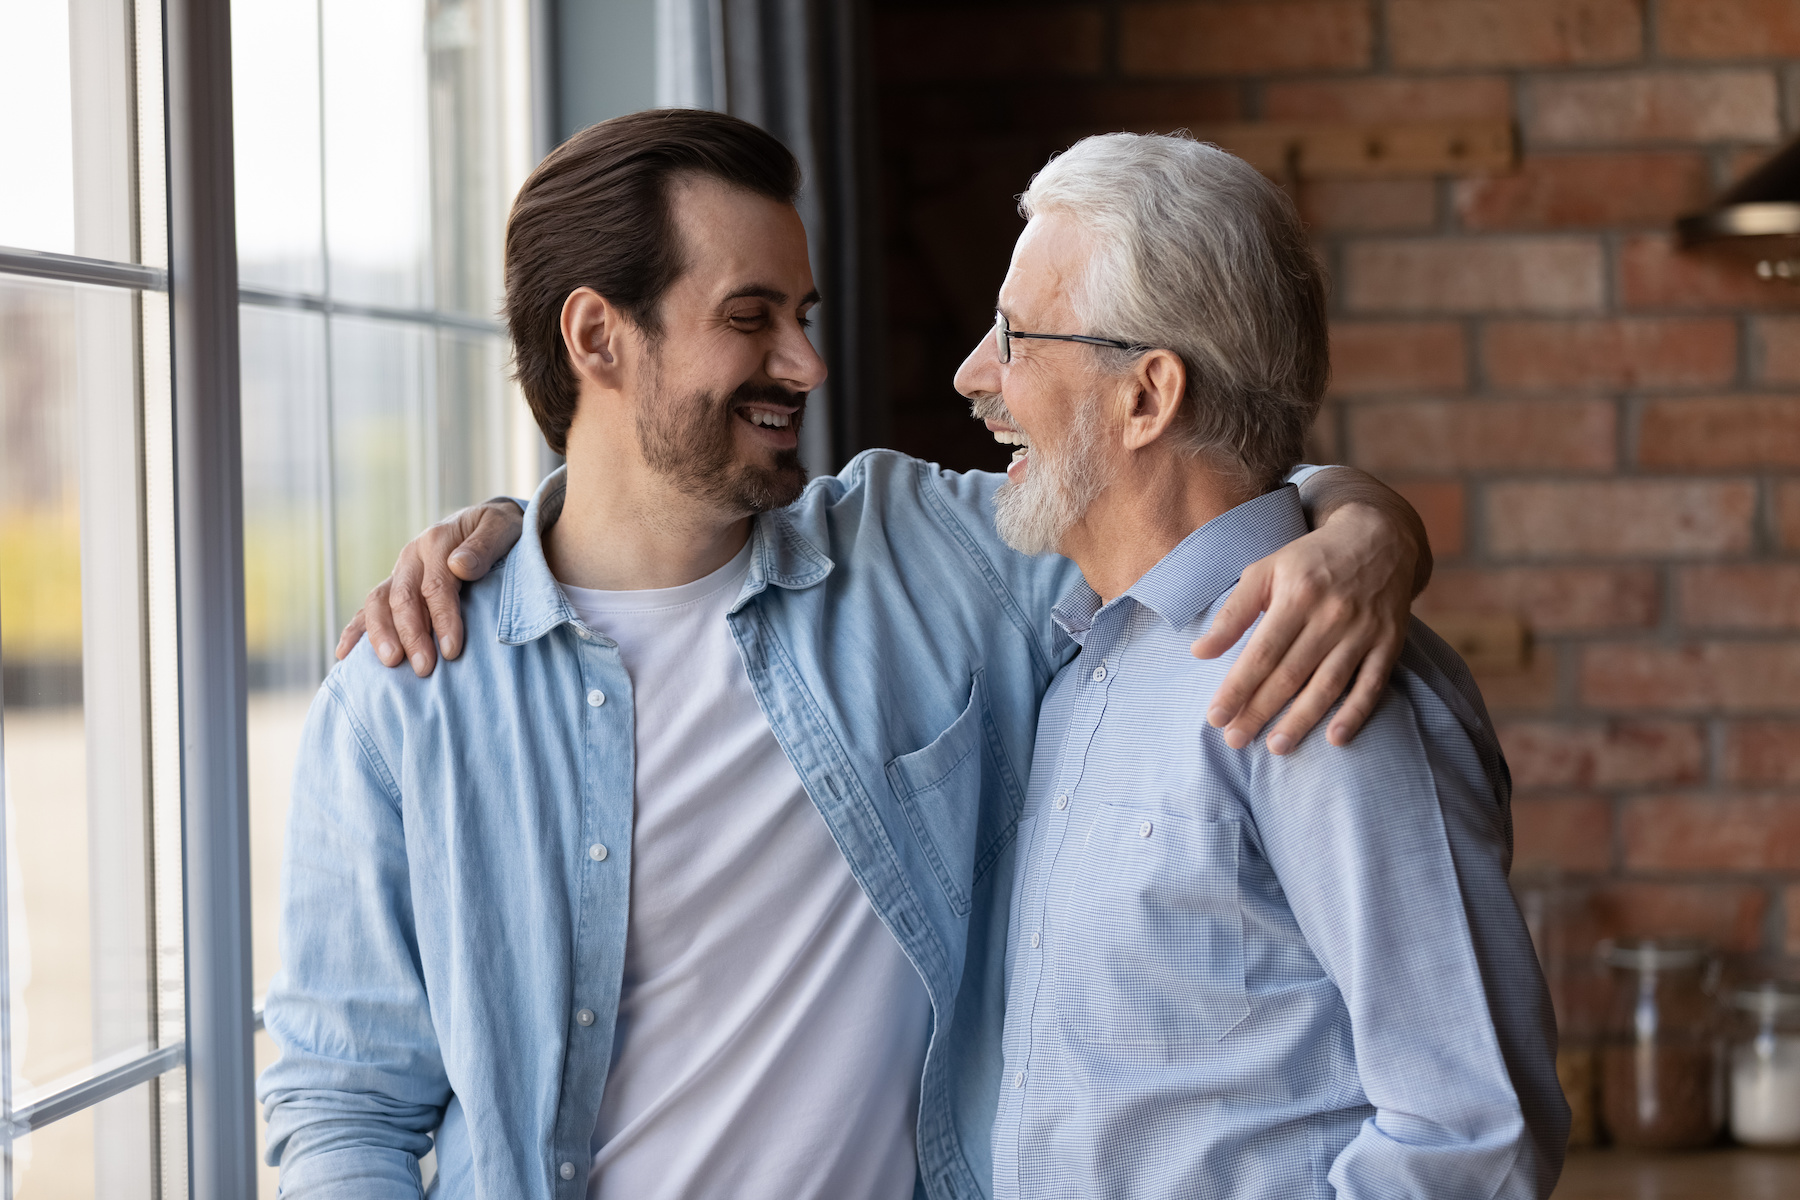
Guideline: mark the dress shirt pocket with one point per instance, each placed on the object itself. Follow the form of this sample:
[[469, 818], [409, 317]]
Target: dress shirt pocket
[[961, 797], [1151, 953]]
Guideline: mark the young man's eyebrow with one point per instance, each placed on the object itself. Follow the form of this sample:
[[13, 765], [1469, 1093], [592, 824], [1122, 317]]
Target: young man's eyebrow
[[775, 296]]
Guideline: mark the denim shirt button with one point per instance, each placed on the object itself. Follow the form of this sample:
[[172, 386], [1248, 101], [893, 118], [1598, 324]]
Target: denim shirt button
[[597, 852], [567, 1170], [585, 1017], [596, 698]]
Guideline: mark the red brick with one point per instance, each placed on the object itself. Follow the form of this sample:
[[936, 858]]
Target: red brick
[[1620, 517], [1558, 754], [1727, 676], [1777, 343], [1443, 508], [1368, 205], [1629, 353], [1434, 34], [1733, 431], [1456, 435], [1729, 915], [1563, 833], [1763, 752], [1740, 596], [1397, 356], [1469, 275], [1750, 833], [1245, 37], [1549, 600], [1655, 106], [987, 43], [1532, 690], [1586, 191], [1728, 29], [1787, 514], [1655, 273], [1466, 98]]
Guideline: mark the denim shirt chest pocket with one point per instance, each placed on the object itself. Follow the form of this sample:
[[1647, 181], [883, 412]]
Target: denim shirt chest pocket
[[1150, 955], [961, 797]]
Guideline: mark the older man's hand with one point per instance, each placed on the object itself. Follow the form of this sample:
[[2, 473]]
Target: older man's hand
[[421, 597], [1337, 601]]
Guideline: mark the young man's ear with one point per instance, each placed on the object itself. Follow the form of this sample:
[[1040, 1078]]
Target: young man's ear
[[595, 333], [1158, 384]]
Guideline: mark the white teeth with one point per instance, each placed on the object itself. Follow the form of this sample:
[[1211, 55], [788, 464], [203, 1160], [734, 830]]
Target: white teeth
[[1011, 437], [1020, 454], [773, 420]]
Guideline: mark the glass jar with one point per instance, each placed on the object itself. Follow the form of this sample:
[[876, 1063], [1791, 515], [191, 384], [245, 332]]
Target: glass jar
[[1662, 1083], [1765, 1065]]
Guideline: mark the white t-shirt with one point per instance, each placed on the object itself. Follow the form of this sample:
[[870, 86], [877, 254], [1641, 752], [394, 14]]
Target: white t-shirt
[[771, 1033]]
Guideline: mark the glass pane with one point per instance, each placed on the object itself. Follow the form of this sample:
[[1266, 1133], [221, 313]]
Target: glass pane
[[275, 111], [285, 484], [377, 168], [378, 374], [68, 182], [478, 426], [71, 658], [84, 1155], [473, 180], [37, 188]]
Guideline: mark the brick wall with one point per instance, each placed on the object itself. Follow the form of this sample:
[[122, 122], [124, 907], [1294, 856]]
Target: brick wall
[[1602, 432]]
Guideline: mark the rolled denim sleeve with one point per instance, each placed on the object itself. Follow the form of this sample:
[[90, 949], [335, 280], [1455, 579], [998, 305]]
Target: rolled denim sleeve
[[1358, 838], [360, 1084]]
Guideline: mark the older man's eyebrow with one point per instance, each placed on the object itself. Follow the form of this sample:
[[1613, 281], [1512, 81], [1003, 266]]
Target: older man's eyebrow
[[774, 295]]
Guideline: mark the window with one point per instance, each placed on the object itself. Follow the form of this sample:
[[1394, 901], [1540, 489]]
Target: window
[[377, 148]]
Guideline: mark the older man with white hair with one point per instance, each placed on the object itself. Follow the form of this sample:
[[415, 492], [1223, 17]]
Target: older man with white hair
[[1282, 975]]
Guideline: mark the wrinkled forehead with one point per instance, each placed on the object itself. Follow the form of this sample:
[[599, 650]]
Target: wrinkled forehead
[[1049, 264]]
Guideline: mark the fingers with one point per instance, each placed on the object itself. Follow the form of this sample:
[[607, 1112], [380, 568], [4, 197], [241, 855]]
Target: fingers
[[1315, 700], [352, 634], [380, 622], [411, 617], [1371, 681], [1237, 615], [1294, 663], [442, 592], [492, 528]]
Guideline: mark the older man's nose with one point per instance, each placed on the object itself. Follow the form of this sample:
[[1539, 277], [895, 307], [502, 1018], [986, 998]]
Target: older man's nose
[[979, 374]]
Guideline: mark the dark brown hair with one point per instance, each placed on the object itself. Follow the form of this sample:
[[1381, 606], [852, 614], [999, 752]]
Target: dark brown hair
[[595, 213]]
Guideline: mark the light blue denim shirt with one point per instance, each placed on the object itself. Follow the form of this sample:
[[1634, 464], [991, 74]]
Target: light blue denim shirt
[[1238, 975], [459, 847]]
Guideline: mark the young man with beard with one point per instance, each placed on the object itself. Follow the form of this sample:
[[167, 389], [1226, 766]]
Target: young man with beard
[[1245, 976], [689, 877]]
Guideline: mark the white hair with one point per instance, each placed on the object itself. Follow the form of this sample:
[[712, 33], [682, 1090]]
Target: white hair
[[1197, 253]]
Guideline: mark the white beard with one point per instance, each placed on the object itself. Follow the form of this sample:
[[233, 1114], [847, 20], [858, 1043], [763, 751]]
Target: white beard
[[1033, 517]]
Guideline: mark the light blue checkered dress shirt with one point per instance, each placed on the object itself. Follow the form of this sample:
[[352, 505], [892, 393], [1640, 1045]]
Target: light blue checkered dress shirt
[[1231, 974]]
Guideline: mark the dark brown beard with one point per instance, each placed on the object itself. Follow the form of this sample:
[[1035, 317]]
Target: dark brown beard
[[690, 441]]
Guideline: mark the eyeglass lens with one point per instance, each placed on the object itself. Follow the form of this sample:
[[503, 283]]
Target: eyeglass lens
[[1002, 337]]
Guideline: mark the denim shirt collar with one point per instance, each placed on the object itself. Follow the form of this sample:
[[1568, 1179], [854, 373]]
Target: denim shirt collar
[[1186, 581], [532, 603]]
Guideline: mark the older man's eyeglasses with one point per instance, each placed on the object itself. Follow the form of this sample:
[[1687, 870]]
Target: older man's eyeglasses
[[1004, 335]]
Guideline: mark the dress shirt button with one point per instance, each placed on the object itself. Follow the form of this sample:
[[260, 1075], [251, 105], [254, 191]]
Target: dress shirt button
[[1062, 801], [597, 852], [1144, 829], [567, 1170], [585, 1017], [596, 698], [1037, 939], [1019, 1080], [1099, 672]]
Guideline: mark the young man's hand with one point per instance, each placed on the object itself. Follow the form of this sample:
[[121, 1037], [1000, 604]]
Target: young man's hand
[[1338, 602], [421, 597]]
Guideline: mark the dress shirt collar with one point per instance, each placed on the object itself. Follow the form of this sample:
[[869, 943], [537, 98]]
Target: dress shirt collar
[[532, 604], [1198, 571]]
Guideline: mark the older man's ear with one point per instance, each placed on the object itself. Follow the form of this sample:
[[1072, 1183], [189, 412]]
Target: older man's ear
[[1158, 381]]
